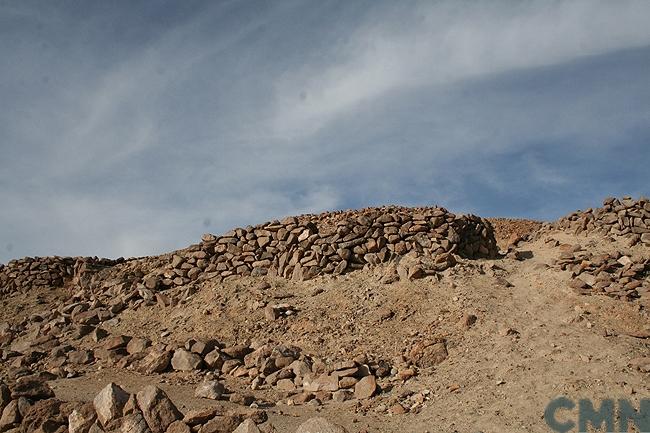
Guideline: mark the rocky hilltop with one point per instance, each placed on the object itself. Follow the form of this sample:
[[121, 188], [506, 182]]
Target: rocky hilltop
[[299, 248], [361, 321], [624, 217]]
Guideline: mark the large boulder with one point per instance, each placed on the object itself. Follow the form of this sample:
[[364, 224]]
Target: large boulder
[[157, 409], [81, 419], [110, 402]]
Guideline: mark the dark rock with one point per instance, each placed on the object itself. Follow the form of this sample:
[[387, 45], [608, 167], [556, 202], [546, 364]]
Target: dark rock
[[32, 388]]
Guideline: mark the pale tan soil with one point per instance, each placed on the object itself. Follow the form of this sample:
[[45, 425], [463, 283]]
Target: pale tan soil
[[491, 382], [504, 228]]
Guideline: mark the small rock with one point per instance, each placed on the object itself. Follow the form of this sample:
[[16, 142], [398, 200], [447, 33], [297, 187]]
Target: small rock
[[285, 385], [99, 334], [347, 382], [44, 416], [624, 260], [578, 284], [342, 395], [200, 416], [10, 416], [248, 426], [241, 399], [115, 342], [134, 423], [156, 362], [185, 361], [271, 313], [137, 345], [81, 357], [428, 353], [178, 427], [5, 396], [365, 388], [319, 425], [507, 331], [222, 424], [214, 360], [212, 390], [468, 320], [151, 282]]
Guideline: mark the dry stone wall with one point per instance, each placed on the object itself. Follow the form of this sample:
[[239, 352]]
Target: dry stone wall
[[425, 240], [303, 247], [36, 272], [615, 274], [617, 217]]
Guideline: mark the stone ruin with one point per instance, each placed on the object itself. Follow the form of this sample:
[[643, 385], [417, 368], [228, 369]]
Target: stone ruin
[[299, 248], [615, 274], [617, 217], [36, 272], [304, 247]]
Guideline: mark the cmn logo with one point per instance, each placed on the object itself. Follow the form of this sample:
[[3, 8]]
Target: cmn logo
[[604, 416]]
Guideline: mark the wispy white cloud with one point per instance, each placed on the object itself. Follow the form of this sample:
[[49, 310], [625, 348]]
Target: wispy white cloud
[[442, 42], [128, 133]]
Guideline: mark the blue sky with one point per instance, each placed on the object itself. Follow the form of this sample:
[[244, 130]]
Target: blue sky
[[131, 128]]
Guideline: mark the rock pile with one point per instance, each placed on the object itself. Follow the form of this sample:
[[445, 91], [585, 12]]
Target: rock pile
[[617, 217], [50, 272], [28, 402], [616, 275], [29, 405], [303, 247], [67, 344], [22, 274], [113, 409]]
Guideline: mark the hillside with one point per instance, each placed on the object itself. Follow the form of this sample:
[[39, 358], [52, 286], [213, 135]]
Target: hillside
[[374, 319]]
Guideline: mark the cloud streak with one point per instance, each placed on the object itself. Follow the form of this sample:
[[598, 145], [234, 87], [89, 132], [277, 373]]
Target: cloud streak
[[131, 131], [446, 42]]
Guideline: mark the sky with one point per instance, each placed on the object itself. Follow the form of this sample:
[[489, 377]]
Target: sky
[[130, 128]]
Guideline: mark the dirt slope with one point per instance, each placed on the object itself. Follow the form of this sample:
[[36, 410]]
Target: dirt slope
[[534, 338]]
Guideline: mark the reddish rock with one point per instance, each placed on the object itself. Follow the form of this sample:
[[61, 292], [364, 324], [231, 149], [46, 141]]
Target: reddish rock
[[185, 361], [32, 388], [365, 388], [178, 427], [157, 409]]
